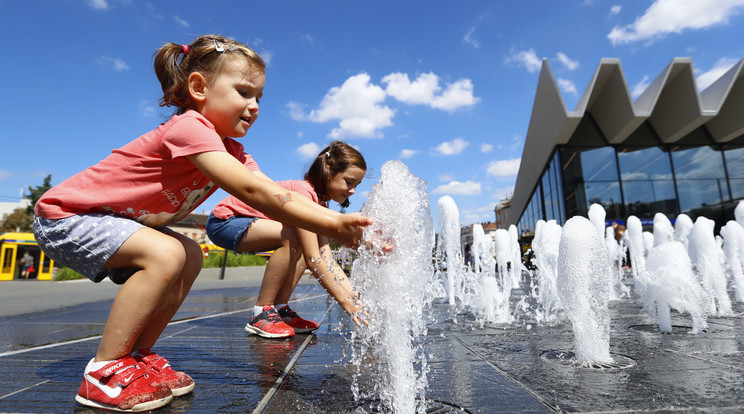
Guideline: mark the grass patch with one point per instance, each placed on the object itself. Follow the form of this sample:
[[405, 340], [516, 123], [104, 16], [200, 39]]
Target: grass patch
[[233, 260], [66, 273]]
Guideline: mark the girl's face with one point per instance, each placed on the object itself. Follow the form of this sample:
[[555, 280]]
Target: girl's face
[[343, 184], [231, 98]]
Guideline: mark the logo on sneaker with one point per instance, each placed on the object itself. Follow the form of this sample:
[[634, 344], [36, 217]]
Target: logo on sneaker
[[127, 379], [111, 392], [112, 369]]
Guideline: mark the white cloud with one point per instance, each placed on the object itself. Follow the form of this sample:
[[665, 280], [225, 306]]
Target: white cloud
[[526, 58], [640, 87], [470, 39], [407, 153], [355, 104], [307, 37], [675, 16], [309, 150], [98, 4], [486, 148], [469, 188], [615, 9], [116, 64], [425, 90], [5, 174], [567, 86], [479, 214], [451, 147], [504, 168], [181, 21], [567, 62], [705, 79], [446, 177], [457, 95], [147, 109], [266, 55]]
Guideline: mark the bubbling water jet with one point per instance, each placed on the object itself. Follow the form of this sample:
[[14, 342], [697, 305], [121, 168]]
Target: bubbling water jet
[[584, 289], [395, 288], [448, 254]]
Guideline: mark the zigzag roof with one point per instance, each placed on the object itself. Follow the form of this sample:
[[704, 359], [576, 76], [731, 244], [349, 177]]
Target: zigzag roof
[[671, 104]]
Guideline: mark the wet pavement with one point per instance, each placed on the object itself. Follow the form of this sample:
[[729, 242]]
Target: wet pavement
[[494, 369]]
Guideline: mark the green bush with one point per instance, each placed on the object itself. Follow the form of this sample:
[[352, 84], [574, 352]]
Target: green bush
[[66, 273], [233, 260]]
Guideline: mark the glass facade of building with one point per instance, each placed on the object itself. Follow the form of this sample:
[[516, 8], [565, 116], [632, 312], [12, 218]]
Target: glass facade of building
[[640, 177]]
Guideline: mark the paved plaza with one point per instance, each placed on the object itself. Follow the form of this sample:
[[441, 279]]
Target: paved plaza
[[49, 330]]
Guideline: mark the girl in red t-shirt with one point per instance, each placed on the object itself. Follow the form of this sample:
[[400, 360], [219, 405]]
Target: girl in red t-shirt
[[236, 226], [109, 220]]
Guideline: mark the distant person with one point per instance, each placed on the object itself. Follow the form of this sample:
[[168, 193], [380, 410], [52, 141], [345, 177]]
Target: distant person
[[110, 219], [469, 256], [236, 226], [27, 263]]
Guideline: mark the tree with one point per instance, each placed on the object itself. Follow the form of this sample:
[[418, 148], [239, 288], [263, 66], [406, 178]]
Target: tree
[[35, 193], [18, 220], [21, 218]]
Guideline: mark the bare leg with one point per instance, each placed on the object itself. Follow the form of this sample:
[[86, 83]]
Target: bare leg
[[283, 265], [148, 300]]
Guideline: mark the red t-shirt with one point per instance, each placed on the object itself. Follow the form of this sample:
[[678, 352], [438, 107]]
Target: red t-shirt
[[149, 179], [232, 207]]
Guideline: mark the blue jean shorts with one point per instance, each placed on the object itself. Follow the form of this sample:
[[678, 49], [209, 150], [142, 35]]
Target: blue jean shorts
[[229, 232], [85, 242]]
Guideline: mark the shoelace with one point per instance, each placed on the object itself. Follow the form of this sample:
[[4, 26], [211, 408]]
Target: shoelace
[[273, 316], [288, 312]]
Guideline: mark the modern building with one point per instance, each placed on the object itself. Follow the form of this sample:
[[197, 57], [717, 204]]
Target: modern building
[[673, 150], [501, 213]]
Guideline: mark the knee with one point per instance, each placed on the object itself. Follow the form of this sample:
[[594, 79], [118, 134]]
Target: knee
[[194, 258]]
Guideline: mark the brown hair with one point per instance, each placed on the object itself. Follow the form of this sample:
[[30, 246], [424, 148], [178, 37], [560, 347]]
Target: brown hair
[[333, 159], [174, 63]]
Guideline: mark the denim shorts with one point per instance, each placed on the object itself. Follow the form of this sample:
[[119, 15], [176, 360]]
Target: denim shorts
[[229, 232], [85, 242]]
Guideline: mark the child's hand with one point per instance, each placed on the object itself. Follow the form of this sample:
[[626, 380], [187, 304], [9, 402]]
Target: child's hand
[[350, 228], [359, 321]]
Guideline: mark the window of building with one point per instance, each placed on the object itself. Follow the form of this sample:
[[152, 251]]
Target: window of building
[[701, 181], [589, 177], [648, 187], [735, 168]]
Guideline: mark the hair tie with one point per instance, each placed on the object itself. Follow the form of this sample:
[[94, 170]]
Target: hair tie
[[185, 49], [328, 154]]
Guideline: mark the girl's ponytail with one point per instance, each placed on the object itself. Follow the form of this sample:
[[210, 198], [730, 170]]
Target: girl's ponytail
[[333, 159], [174, 64]]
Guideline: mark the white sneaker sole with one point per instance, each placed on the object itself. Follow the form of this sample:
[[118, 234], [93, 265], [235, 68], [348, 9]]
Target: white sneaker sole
[[254, 330], [145, 406]]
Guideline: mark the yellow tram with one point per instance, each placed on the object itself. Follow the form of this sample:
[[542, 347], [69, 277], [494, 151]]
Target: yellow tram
[[12, 248]]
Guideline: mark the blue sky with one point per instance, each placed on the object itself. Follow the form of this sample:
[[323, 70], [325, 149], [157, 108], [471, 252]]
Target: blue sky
[[446, 87]]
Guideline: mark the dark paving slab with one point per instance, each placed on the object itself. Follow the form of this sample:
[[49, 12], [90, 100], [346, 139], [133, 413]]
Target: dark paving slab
[[491, 369]]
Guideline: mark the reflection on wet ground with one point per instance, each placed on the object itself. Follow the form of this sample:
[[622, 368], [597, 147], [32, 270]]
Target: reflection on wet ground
[[471, 369]]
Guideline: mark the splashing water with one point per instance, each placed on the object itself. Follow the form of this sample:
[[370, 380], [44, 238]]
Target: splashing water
[[682, 227], [545, 247], [636, 246], [583, 287], [739, 213], [708, 262], [669, 282], [733, 248], [395, 288], [663, 230], [596, 216], [448, 254]]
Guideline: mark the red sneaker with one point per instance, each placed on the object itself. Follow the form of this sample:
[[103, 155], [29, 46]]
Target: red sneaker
[[178, 382], [300, 325], [268, 324], [123, 386]]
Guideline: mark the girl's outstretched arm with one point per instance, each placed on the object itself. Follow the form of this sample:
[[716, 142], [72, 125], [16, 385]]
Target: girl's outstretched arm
[[328, 273], [277, 202]]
